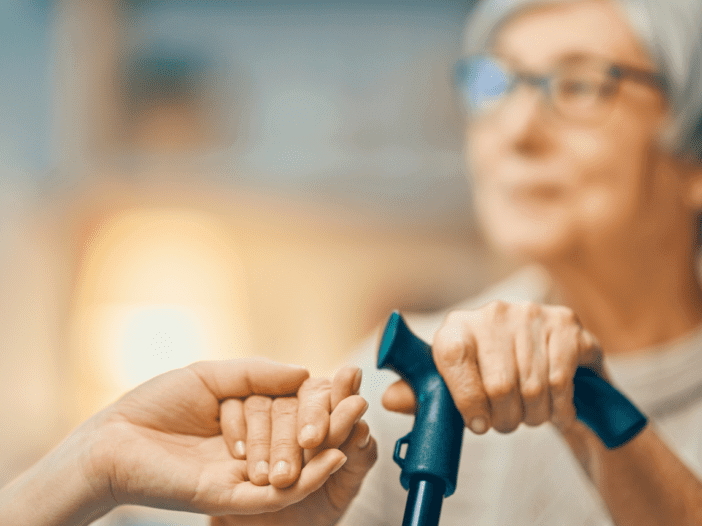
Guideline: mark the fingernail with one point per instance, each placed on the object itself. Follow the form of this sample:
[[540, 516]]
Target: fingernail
[[307, 434], [281, 468], [363, 412], [478, 425], [339, 465], [357, 381], [262, 467], [363, 442]]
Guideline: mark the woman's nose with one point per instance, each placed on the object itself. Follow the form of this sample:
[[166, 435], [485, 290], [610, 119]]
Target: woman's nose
[[521, 118]]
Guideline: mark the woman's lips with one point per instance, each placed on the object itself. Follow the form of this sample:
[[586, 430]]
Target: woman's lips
[[542, 191]]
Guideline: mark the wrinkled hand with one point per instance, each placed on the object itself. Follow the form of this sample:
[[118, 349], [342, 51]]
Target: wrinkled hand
[[161, 445], [325, 415], [509, 363]]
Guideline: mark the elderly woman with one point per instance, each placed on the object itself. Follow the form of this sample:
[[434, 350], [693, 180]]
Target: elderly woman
[[584, 141]]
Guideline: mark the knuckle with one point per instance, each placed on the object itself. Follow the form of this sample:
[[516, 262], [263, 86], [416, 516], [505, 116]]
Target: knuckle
[[284, 444], [499, 388], [531, 310], [284, 406], [315, 390], [257, 442], [449, 350], [467, 398], [258, 404], [566, 316], [559, 381], [497, 309], [532, 390], [313, 408]]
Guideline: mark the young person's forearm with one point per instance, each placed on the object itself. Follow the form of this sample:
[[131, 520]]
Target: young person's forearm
[[642, 483], [57, 490]]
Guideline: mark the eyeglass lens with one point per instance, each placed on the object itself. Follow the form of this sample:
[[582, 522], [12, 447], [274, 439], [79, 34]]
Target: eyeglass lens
[[576, 91]]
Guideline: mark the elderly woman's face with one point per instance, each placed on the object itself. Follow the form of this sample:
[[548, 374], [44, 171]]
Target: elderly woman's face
[[546, 183]]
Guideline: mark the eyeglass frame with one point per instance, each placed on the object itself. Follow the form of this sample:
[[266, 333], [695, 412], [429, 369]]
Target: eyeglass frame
[[615, 71]]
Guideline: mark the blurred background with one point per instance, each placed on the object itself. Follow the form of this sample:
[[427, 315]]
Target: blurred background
[[185, 180]]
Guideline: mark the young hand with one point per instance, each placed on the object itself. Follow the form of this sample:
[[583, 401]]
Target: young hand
[[161, 445]]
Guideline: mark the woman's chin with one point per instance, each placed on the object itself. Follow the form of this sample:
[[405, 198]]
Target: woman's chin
[[531, 237], [529, 246]]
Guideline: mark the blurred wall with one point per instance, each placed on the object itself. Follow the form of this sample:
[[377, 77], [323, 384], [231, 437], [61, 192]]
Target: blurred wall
[[189, 180]]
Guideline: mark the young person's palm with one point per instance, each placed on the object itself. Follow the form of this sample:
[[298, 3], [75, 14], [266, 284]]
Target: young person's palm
[[161, 444]]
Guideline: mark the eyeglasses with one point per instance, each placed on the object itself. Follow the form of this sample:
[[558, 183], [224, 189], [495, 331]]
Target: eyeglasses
[[580, 89]]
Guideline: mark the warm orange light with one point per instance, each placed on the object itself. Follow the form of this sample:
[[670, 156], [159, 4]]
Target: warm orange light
[[158, 289]]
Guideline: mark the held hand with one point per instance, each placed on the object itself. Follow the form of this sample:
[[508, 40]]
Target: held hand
[[334, 410], [270, 433], [509, 363], [161, 445]]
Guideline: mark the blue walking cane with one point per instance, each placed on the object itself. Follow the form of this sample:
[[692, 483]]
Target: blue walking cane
[[430, 465]]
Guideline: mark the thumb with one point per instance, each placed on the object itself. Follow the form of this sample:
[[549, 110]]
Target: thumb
[[399, 397], [241, 378]]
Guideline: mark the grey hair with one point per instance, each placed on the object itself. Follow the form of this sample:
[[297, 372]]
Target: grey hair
[[670, 30]]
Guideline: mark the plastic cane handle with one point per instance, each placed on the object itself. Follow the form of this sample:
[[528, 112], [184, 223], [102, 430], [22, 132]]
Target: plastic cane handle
[[597, 403], [605, 410]]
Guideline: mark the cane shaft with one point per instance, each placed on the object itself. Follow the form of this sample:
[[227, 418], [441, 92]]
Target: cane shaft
[[424, 502]]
